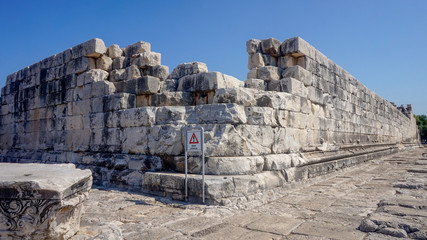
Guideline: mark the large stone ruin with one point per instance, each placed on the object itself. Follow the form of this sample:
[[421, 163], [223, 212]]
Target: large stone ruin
[[119, 112]]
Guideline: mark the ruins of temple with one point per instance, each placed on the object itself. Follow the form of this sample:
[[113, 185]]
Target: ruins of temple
[[119, 112]]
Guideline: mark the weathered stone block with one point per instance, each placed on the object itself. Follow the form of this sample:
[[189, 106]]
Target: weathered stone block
[[146, 59], [132, 72], [104, 62], [207, 81], [158, 71], [270, 60], [253, 73], [114, 51], [117, 75], [277, 162], [51, 198], [172, 99], [136, 140], [136, 48], [299, 73], [315, 95], [216, 113], [286, 61], [234, 165], [93, 48], [253, 46], [118, 63], [79, 65], [255, 60], [185, 69], [118, 101], [293, 86], [91, 76], [297, 47], [255, 83], [269, 73], [137, 117], [260, 116], [271, 46], [241, 96]]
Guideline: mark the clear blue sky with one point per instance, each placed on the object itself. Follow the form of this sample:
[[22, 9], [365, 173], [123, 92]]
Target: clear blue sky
[[383, 43]]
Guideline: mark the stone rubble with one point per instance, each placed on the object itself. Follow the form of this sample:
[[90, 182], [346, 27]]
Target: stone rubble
[[118, 112]]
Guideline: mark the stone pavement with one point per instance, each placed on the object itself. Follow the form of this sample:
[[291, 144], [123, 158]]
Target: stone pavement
[[386, 198]]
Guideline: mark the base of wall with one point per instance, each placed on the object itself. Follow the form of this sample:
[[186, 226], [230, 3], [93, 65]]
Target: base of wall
[[230, 189]]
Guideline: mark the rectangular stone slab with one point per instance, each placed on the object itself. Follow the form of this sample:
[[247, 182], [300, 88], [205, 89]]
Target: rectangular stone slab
[[42, 181]]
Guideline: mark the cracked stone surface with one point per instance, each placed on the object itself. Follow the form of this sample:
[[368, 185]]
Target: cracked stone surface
[[386, 198]]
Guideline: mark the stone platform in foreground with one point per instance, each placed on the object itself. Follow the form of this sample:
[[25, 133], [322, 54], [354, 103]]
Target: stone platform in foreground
[[385, 198], [41, 201]]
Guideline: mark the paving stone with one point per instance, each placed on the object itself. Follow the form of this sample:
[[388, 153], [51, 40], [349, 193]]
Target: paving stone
[[275, 224], [328, 230]]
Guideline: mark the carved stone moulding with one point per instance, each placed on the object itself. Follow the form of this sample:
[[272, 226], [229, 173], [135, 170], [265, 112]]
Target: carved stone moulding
[[41, 201]]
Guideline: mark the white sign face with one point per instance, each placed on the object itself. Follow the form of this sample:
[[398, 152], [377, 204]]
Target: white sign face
[[194, 140]]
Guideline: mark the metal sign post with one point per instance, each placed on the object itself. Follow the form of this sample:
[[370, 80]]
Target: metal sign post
[[194, 140]]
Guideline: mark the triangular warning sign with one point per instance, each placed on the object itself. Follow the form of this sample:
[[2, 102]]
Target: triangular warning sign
[[193, 139]]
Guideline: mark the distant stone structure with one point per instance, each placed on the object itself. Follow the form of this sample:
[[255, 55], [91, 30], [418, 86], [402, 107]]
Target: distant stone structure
[[118, 112]]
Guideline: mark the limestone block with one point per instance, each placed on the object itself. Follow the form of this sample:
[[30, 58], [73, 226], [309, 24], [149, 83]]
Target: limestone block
[[216, 113], [274, 85], [147, 85], [297, 47], [171, 115], [270, 60], [172, 99], [288, 140], [102, 88], [297, 120], [93, 75], [315, 95], [79, 65], [286, 61], [277, 162], [255, 60], [118, 63], [52, 196], [136, 48], [271, 46], [93, 48], [261, 116], [73, 122], [241, 96], [137, 117], [132, 72], [146, 59], [234, 165], [185, 69], [117, 75], [145, 163], [240, 140], [82, 92], [268, 73], [253, 46], [104, 62], [207, 81], [299, 73], [114, 51], [158, 71], [293, 86], [81, 107], [136, 141], [165, 139], [255, 83], [253, 73], [81, 140], [118, 101]]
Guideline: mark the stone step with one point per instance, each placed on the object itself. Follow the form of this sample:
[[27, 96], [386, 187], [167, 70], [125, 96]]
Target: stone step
[[226, 189]]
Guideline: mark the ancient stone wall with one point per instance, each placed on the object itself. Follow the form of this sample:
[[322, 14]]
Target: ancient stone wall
[[118, 112]]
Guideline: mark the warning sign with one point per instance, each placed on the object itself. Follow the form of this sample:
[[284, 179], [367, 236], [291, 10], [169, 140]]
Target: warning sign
[[194, 140]]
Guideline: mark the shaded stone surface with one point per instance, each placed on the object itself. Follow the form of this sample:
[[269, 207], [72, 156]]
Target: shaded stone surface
[[41, 201]]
